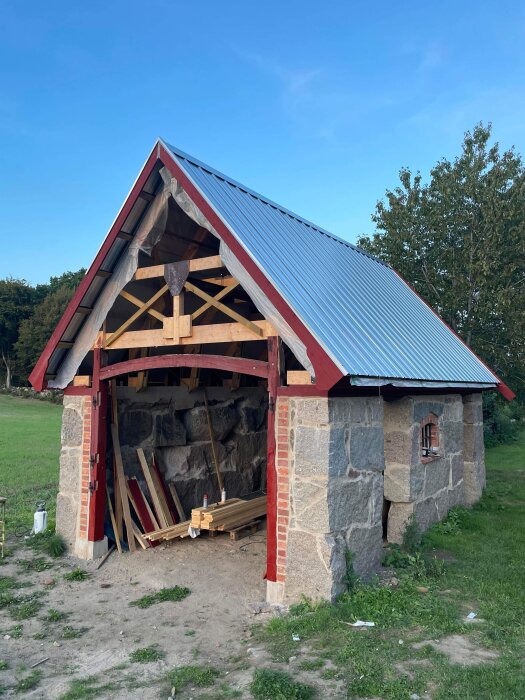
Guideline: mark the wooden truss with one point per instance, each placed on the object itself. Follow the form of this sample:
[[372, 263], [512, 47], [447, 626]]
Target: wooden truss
[[179, 328]]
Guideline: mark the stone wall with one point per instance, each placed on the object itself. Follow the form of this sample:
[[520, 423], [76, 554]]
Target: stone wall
[[473, 448], [424, 488], [73, 492], [172, 422], [335, 474]]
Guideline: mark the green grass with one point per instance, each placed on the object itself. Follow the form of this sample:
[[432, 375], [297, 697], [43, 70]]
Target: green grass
[[146, 655], [54, 615], [29, 445], [89, 688], [277, 685], [76, 574], [165, 594], [29, 682], [485, 573], [198, 676], [3, 665]]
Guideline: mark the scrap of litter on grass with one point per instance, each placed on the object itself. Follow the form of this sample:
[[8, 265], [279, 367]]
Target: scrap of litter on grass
[[471, 615], [296, 638], [358, 623]]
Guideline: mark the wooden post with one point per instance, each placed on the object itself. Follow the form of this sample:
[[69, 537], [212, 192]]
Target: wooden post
[[97, 458], [271, 473]]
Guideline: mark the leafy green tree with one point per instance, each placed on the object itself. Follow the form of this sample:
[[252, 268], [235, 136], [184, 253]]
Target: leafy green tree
[[16, 304], [460, 242], [36, 330]]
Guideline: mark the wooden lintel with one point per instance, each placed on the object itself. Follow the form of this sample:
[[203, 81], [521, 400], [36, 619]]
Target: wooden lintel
[[82, 380], [213, 333], [197, 265]]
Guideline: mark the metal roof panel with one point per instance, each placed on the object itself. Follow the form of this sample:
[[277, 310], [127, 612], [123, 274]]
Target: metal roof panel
[[359, 309]]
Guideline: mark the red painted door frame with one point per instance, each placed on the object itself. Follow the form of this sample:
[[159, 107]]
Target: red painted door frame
[[271, 472], [97, 457]]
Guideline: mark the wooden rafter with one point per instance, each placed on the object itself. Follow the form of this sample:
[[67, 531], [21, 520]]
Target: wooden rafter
[[222, 307], [145, 306]]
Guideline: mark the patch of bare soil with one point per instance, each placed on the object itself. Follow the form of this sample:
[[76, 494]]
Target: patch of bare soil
[[460, 650], [210, 626]]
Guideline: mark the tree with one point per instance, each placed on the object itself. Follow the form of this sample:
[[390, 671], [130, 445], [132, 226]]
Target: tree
[[36, 330], [460, 242], [16, 303]]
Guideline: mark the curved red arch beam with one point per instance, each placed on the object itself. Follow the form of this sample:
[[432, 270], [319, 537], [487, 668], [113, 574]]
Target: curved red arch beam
[[256, 368]]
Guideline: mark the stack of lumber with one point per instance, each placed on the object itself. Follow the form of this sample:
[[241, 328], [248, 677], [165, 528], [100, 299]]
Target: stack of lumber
[[136, 512], [228, 515]]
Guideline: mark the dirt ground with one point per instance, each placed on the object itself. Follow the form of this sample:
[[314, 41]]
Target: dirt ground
[[210, 626]]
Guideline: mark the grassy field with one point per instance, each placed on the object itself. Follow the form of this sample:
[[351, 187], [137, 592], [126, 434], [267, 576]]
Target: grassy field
[[473, 561], [29, 452]]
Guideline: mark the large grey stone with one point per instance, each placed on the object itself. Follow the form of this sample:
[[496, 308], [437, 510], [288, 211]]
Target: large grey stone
[[473, 446], [398, 415], [398, 517], [310, 505], [453, 408], [473, 408], [72, 428], [417, 481], [349, 502], [377, 499], [224, 418], [367, 449], [135, 427], [314, 411], [398, 447], [70, 469], [473, 481], [366, 545], [169, 430], [456, 468], [452, 437], [307, 572], [437, 476], [397, 482], [251, 418], [66, 518], [423, 408], [319, 451]]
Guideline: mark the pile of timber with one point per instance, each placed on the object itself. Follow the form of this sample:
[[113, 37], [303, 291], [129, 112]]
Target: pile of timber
[[228, 515]]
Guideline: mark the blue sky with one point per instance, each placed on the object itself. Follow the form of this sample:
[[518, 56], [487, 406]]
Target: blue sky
[[315, 105]]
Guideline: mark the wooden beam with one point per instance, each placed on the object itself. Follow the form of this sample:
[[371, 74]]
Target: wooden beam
[[82, 380], [220, 281], [222, 307], [104, 273], [161, 517], [213, 333], [147, 305], [217, 298], [196, 265], [138, 302], [124, 235], [65, 344], [298, 377], [256, 368], [84, 310]]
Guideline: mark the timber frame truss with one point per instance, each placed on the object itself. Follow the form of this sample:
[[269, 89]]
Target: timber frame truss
[[165, 323]]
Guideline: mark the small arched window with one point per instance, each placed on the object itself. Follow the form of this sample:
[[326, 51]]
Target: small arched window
[[429, 437]]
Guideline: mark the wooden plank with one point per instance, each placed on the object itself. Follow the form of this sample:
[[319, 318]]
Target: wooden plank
[[113, 521], [298, 377], [138, 302], [196, 265], [163, 494], [122, 488], [137, 501], [213, 445], [65, 344], [213, 333], [220, 281], [151, 514], [138, 536], [161, 518], [217, 297], [176, 501], [222, 307], [82, 380], [148, 304]]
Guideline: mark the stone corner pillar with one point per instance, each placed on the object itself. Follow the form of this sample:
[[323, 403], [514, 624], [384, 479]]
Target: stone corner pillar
[[330, 494], [473, 448], [72, 512]]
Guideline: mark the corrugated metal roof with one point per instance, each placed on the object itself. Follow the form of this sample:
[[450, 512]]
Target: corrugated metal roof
[[363, 314]]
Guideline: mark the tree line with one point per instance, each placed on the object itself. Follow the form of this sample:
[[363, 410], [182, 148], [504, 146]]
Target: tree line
[[28, 316], [458, 239]]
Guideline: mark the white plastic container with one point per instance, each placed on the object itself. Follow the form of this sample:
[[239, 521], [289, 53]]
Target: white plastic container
[[40, 519]]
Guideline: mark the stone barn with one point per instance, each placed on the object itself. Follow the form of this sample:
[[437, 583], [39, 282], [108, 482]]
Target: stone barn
[[332, 387]]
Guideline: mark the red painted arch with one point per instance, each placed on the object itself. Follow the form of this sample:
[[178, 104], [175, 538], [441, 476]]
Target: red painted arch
[[256, 368]]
